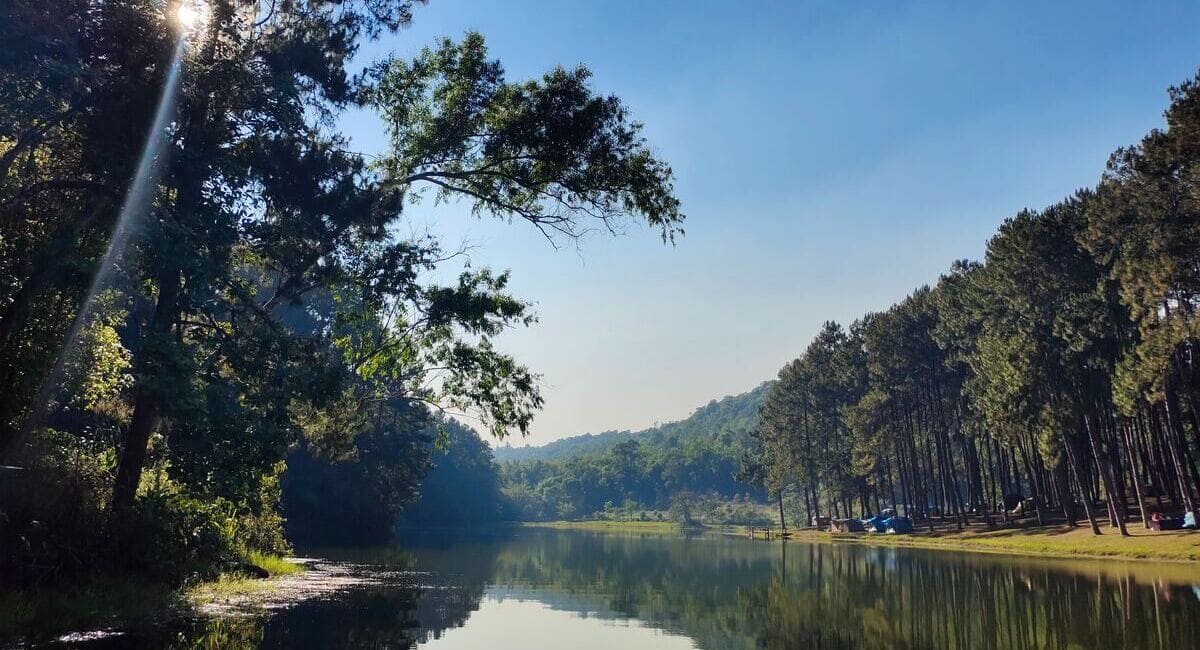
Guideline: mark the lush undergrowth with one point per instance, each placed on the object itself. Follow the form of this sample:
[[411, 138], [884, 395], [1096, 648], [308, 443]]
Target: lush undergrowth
[[57, 526]]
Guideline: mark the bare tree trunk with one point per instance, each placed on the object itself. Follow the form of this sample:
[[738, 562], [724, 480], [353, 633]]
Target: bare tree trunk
[[1064, 492], [1034, 482], [1116, 510], [1131, 452], [1072, 456]]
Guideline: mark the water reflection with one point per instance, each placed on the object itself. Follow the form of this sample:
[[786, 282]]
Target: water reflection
[[547, 589], [514, 622], [732, 593]]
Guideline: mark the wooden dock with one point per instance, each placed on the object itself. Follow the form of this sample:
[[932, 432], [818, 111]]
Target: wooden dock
[[766, 532]]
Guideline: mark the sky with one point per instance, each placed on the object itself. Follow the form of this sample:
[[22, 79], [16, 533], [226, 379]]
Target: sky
[[831, 157]]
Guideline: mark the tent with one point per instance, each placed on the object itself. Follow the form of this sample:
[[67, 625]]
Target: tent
[[847, 526], [876, 524], [899, 525]]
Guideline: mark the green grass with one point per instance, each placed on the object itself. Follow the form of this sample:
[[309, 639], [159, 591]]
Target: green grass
[[236, 586], [1045, 541], [227, 586], [1017, 539], [274, 564]]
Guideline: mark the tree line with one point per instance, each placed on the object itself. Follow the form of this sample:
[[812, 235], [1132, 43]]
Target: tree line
[[263, 295], [1061, 368]]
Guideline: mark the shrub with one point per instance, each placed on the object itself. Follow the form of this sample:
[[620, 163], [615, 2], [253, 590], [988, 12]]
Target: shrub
[[177, 538], [52, 510], [55, 526]]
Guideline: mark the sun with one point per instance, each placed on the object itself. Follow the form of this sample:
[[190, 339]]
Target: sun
[[190, 15]]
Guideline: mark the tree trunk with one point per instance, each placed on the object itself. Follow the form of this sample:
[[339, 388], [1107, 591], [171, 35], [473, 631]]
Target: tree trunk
[[146, 407], [1115, 509], [1064, 492], [1035, 487], [782, 521], [1178, 458], [1072, 457]]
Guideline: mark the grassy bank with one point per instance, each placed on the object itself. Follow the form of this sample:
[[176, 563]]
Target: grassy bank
[[609, 525], [274, 564], [1014, 539], [1042, 541], [230, 587]]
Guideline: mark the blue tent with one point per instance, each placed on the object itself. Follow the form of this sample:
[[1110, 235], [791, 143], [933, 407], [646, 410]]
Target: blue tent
[[876, 524], [899, 525]]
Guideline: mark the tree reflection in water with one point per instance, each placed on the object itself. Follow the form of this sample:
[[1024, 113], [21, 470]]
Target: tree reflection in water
[[724, 592]]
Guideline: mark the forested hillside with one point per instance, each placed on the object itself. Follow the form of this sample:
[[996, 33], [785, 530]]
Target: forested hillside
[[732, 412], [698, 456], [573, 446]]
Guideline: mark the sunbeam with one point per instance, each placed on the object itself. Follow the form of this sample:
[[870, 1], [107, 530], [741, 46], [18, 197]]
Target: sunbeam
[[133, 210]]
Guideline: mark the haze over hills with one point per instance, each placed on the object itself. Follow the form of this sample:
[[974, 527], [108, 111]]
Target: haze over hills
[[730, 413]]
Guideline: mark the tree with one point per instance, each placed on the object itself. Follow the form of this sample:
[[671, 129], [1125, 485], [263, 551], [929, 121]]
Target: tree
[[1061, 367], [270, 301], [463, 487], [1143, 225]]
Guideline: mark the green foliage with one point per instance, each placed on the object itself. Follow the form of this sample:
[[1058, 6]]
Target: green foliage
[[53, 512], [56, 526], [730, 413], [541, 150], [99, 364], [273, 564], [463, 486], [803, 427], [684, 507], [178, 537], [358, 496], [262, 302], [1144, 225]]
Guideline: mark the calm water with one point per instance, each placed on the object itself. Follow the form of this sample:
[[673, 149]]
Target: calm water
[[535, 589]]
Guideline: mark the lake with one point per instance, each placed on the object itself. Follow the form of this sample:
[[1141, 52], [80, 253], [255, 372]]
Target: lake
[[535, 588]]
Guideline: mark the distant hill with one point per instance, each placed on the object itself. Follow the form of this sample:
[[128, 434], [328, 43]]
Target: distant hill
[[691, 466], [564, 447], [730, 413]]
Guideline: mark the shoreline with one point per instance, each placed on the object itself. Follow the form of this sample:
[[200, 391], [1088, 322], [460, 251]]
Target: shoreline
[[1030, 545], [1056, 541]]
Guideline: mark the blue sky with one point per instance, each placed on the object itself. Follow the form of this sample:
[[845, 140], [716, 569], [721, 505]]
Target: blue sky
[[830, 157]]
